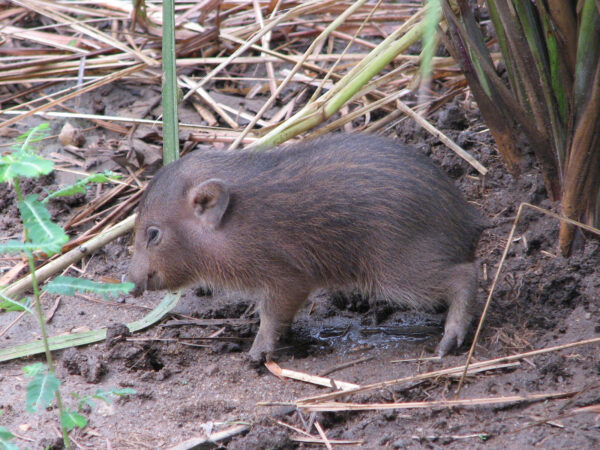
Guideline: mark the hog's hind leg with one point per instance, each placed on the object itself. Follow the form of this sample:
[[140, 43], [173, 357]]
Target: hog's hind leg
[[462, 305]]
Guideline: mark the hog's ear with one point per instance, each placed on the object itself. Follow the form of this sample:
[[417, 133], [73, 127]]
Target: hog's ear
[[209, 200]]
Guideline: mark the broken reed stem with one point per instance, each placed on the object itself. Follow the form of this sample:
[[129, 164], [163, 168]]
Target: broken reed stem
[[279, 372], [497, 276], [323, 436]]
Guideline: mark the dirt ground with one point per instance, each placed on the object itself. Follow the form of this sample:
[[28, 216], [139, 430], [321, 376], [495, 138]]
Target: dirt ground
[[187, 387]]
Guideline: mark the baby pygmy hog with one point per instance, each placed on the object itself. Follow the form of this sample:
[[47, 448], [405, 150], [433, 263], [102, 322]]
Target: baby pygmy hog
[[340, 212]]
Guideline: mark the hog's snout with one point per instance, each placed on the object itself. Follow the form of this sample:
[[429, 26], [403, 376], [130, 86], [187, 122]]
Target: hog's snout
[[138, 290], [138, 275], [140, 284]]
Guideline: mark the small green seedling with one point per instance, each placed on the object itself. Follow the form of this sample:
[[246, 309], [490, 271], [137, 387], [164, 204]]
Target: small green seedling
[[44, 238]]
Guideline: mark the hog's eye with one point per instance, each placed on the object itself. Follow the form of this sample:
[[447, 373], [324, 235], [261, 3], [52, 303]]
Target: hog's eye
[[153, 235]]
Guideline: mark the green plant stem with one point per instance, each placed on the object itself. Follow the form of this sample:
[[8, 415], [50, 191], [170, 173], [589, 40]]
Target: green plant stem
[[169, 88], [49, 360], [40, 316]]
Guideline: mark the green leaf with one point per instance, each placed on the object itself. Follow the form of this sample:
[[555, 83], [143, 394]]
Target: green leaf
[[49, 236], [36, 134], [5, 438], [18, 247], [105, 396], [33, 369], [23, 164], [8, 304], [72, 419], [80, 186], [69, 285], [123, 392], [41, 390]]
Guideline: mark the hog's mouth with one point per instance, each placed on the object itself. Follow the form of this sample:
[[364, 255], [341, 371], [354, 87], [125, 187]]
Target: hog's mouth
[[152, 282]]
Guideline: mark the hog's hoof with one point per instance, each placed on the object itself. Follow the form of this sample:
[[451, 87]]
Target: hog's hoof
[[260, 352], [452, 340]]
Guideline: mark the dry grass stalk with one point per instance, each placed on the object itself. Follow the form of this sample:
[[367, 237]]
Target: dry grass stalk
[[491, 401], [105, 80], [310, 439]]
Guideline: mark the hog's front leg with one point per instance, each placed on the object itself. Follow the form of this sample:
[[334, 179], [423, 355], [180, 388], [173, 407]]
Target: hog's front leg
[[277, 312]]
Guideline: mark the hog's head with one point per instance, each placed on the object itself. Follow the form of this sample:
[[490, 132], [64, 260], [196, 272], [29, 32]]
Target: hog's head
[[175, 231]]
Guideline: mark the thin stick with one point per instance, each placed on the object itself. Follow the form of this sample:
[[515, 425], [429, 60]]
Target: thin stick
[[441, 136], [190, 84], [345, 365], [105, 80], [151, 122], [265, 40]]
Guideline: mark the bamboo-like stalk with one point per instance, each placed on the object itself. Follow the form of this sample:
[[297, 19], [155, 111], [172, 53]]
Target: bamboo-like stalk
[[324, 107], [347, 13]]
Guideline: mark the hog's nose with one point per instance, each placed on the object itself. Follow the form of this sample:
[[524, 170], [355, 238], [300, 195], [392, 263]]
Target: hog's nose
[[137, 290], [140, 286]]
